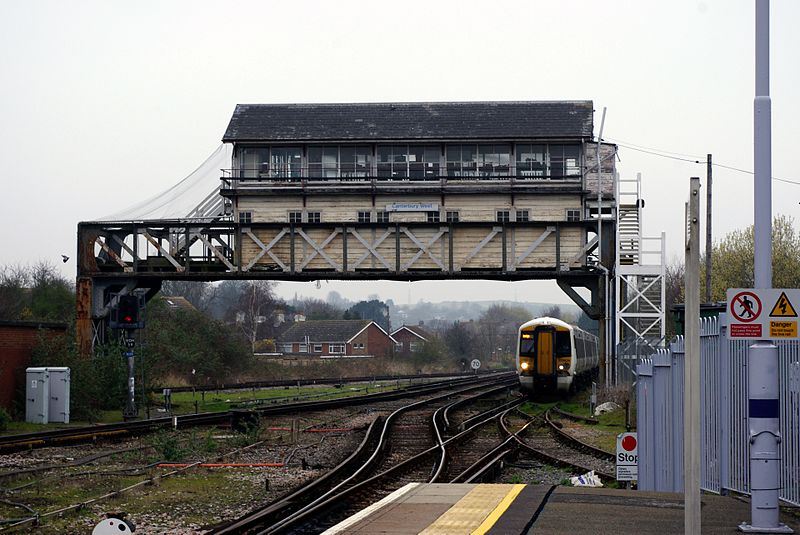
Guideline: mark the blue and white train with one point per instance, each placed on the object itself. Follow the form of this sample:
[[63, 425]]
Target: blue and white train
[[553, 355]]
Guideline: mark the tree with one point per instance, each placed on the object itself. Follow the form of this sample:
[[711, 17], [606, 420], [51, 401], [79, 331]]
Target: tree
[[184, 340], [497, 331], [254, 311], [13, 283], [374, 310], [37, 293], [460, 341], [317, 309], [674, 277], [732, 260], [198, 294], [553, 311]]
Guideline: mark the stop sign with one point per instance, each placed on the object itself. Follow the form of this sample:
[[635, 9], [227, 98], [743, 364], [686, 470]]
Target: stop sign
[[627, 457], [629, 443]]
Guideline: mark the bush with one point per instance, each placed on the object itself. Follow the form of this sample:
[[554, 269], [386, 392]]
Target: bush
[[97, 383], [5, 419]]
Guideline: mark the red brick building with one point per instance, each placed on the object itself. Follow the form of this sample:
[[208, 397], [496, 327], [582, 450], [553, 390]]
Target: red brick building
[[409, 338], [17, 340], [332, 338]]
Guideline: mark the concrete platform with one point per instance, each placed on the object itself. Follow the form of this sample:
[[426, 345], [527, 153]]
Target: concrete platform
[[444, 509]]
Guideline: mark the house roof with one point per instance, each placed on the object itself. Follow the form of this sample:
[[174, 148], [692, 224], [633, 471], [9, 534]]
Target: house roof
[[178, 302], [415, 330], [324, 330], [410, 121]]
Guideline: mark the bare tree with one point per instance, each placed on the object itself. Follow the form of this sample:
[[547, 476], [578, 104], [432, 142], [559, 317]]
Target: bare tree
[[256, 306], [13, 283]]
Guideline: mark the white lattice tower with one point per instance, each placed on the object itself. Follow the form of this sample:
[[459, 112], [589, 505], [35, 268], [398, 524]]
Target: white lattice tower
[[639, 283]]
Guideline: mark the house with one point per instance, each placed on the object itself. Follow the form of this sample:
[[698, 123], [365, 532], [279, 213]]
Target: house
[[409, 338], [336, 338]]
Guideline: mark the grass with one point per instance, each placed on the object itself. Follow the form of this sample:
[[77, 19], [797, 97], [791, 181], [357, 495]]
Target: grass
[[213, 401]]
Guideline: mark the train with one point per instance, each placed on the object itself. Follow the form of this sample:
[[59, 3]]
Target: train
[[554, 356]]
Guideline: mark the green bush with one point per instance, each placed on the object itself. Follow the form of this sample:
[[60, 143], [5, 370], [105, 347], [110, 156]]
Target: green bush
[[167, 445], [5, 419]]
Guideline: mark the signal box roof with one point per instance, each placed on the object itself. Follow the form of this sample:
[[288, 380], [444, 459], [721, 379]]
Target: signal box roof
[[410, 121]]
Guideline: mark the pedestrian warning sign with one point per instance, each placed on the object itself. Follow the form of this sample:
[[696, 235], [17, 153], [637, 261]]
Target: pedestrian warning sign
[[746, 306], [783, 308], [748, 319]]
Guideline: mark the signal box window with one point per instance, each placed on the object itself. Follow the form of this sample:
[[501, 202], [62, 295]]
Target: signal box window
[[433, 217], [382, 217], [523, 215], [245, 218], [573, 215], [313, 217], [364, 216], [452, 217], [503, 216], [295, 217]]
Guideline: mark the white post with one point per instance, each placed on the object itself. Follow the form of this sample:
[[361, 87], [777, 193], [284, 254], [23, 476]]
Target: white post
[[691, 368], [762, 362]]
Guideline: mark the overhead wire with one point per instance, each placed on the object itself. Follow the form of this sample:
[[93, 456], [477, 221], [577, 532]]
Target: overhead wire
[[669, 155]]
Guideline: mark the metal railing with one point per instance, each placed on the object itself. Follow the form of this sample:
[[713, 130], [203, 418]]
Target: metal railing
[[724, 428], [296, 174]]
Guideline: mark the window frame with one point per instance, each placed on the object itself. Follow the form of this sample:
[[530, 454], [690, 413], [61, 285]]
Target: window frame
[[364, 216], [452, 216], [523, 215], [313, 217], [433, 216], [573, 215], [502, 218], [295, 216], [246, 217], [341, 349]]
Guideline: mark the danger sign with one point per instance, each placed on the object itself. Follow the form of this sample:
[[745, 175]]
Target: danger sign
[[746, 320]]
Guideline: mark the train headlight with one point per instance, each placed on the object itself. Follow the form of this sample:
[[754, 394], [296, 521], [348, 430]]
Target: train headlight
[[524, 365], [560, 366]]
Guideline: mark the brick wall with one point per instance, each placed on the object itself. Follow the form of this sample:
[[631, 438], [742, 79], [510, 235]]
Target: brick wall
[[378, 343], [17, 340]]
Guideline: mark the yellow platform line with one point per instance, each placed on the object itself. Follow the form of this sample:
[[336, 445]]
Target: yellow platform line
[[498, 511], [471, 512]]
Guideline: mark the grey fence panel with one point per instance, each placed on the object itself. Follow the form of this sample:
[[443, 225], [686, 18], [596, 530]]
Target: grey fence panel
[[790, 421], [677, 353], [724, 425], [710, 387], [644, 417], [739, 429]]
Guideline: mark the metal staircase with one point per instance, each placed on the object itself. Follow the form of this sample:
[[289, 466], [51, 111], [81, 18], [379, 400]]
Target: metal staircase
[[639, 284]]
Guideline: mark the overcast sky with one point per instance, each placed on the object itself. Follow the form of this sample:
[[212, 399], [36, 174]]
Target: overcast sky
[[104, 103]]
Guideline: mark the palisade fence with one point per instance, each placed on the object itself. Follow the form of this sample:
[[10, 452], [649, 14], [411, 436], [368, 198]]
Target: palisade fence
[[724, 438]]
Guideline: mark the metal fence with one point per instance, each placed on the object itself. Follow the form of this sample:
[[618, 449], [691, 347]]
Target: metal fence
[[724, 427]]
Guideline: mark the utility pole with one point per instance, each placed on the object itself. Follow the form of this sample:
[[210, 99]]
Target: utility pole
[[763, 410], [691, 367], [708, 228]]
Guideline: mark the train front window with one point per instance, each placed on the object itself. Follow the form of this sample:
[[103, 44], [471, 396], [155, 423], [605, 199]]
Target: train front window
[[527, 345], [562, 344]]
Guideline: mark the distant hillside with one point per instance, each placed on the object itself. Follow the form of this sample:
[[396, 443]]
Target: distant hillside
[[463, 310]]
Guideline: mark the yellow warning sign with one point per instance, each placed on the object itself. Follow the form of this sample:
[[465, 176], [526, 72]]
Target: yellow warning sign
[[782, 329], [783, 308]]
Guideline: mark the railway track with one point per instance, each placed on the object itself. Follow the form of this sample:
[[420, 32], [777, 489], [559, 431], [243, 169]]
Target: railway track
[[398, 453], [19, 442], [541, 438]]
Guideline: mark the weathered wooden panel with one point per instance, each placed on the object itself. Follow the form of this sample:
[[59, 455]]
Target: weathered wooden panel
[[471, 208], [416, 248]]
